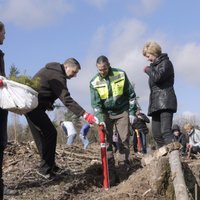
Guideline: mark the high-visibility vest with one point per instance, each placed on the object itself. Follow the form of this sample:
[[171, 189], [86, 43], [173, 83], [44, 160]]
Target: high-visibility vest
[[117, 81]]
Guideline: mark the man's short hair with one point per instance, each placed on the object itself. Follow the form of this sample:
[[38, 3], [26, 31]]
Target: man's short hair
[[102, 59], [188, 126], [72, 62]]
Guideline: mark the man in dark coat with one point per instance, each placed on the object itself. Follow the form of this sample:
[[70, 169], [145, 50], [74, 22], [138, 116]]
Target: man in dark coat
[[179, 137], [53, 86], [162, 101], [139, 123], [3, 113]]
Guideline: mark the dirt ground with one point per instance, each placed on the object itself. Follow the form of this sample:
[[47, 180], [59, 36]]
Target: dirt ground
[[81, 177]]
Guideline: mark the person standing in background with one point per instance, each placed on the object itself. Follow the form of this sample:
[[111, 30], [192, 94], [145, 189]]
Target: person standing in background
[[139, 123], [193, 145], [71, 133], [83, 135], [179, 137], [3, 122], [162, 100], [69, 130]]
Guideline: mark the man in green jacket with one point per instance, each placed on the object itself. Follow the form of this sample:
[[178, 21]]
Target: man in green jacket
[[113, 101]]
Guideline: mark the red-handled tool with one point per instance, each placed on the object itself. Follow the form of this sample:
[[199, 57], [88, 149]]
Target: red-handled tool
[[138, 139], [102, 139]]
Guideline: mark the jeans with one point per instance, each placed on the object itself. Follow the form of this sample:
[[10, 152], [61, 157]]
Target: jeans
[[70, 139], [84, 140], [161, 127], [143, 142], [3, 143]]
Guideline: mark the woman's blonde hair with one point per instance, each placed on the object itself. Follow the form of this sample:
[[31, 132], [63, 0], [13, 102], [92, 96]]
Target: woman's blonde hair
[[152, 48], [188, 126]]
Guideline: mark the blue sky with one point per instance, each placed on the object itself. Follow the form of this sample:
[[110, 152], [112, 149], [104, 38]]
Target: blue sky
[[38, 32]]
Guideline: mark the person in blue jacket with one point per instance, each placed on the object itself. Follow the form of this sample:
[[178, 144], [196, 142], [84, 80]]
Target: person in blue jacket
[[83, 135], [71, 133]]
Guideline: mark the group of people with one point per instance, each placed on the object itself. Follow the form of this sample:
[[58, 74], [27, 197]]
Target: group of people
[[190, 142], [71, 133], [114, 102]]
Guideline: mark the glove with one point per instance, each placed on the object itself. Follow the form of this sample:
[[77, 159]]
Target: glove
[[131, 119], [1, 83], [91, 119], [146, 69]]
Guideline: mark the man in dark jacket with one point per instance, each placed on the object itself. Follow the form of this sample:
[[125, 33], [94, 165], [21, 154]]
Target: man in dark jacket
[[162, 101], [53, 79], [179, 137], [139, 123], [3, 113]]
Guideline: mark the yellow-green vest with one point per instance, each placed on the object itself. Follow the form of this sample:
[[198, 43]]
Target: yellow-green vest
[[117, 81]]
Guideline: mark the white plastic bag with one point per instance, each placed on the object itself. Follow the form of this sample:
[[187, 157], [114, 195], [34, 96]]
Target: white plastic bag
[[16, 97]]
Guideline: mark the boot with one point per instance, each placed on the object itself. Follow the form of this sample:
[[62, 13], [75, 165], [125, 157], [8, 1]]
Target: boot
[[9, 192]]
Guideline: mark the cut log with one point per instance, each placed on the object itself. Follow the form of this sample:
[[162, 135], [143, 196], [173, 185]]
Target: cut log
[[177, 176]]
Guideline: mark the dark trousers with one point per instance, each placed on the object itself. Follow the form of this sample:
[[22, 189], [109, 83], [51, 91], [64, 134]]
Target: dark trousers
[[45, 137], [143, 141], [3, 143], [195, 149], [161, 127]]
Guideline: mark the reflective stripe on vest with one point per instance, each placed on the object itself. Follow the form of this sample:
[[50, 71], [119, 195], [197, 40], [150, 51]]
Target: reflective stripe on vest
[[117, 85]]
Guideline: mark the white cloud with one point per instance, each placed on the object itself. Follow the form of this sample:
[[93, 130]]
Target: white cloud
[[186, 61], [123, 46], [145, 7], [125, 52], [33, 13], [123, 49], [125, 37], [123, 43], [97, 3]]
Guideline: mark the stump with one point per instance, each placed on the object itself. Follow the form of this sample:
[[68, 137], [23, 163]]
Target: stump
[[177, 176], [162, 163]]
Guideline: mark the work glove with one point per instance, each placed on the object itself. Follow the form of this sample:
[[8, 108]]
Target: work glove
[[1, 83], [131, 119], [91, 119]]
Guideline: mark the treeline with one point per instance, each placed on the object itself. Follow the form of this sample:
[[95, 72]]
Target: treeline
[[20, 132]]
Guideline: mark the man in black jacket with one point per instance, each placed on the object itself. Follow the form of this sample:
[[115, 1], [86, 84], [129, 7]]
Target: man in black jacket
[[52, 80], [3, 122], [3, 113], [179, 137]]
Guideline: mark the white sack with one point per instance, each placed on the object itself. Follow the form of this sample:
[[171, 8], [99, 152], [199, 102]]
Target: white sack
[[17, 98]]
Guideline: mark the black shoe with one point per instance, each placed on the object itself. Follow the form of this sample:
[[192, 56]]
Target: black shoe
[[9, 192], [57, 169], [49, 175]]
